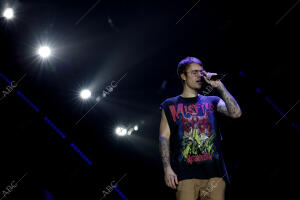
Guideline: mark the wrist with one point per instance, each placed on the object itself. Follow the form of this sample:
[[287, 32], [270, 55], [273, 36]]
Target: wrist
[[220, 86], [167, 168]]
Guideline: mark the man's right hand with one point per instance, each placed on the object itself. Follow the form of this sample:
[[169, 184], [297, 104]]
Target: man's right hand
[[170, 178]]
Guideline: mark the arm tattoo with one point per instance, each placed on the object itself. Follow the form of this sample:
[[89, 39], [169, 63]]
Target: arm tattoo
[[164, 147], [232, 108]]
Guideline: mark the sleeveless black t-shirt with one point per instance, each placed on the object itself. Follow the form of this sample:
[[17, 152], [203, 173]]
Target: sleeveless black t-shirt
[[195, 149]]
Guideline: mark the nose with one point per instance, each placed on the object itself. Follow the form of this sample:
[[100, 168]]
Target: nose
[[200, 74]]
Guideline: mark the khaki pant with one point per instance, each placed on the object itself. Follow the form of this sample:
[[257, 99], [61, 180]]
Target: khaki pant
[[206, 189]]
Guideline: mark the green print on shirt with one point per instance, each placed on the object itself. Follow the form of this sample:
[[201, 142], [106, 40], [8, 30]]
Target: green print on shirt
[[195, 144]]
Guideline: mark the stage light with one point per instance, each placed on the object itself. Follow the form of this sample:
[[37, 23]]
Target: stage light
[[120, 131], [8, 13], [85, 94], [136, 127], [130, 131], [124, 131], [44, 52]]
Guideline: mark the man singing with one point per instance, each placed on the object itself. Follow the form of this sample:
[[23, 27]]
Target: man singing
[[189, 138]]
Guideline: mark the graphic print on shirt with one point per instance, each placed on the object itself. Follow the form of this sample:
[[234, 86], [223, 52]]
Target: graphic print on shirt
[[195, 132], [197, 139]]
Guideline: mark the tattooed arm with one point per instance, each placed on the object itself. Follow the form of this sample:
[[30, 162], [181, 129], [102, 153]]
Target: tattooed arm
[[227, 105], [164, 147], [164, 136]]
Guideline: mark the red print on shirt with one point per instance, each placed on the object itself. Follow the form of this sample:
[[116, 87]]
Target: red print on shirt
[[192, 109]]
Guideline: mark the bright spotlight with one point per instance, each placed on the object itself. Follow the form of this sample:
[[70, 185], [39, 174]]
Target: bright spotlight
[[124, 131], [121, 131], [136, 127], [118, 130], [44, 52], [85, 94], [8, 13]]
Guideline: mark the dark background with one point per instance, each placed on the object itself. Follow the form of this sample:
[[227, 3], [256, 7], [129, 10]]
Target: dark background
[[255, 42]]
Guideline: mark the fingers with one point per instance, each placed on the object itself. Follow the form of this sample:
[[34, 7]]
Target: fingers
[[171, 181], [206, 80], [176, 180], [205, 73], [208, 75], [167, 182]]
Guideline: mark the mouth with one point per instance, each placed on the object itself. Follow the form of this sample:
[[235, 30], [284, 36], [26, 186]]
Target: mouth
[[199, 83]]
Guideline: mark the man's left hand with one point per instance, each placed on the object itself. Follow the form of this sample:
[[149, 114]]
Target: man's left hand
[[207, 76]]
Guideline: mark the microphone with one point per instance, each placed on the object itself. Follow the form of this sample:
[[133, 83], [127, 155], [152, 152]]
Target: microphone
[[217, 77]]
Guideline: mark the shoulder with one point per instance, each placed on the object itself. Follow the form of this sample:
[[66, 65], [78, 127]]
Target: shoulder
[[169, 101]]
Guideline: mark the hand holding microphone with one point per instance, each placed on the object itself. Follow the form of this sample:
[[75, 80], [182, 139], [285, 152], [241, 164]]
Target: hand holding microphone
[[213, 78]]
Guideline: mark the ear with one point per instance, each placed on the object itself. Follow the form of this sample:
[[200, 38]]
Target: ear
[[183, 77]]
